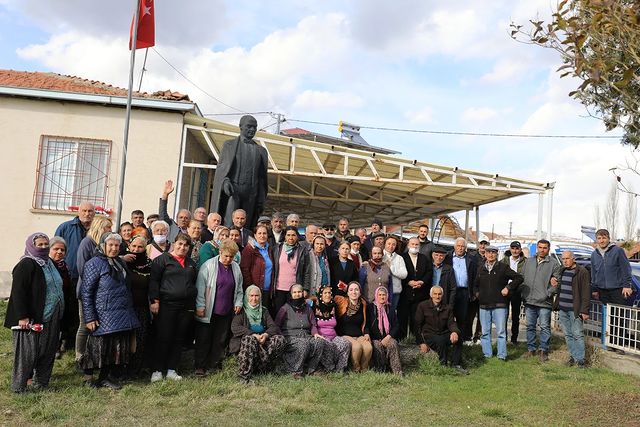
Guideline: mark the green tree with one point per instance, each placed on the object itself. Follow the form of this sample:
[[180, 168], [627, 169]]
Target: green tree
[[599, 43]]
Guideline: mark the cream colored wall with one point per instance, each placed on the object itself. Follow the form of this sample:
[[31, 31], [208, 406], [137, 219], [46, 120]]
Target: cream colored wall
[[153, 157]]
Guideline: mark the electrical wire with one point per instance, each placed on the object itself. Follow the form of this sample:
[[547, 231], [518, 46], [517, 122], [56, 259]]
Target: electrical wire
[[441, 132], [195, 85]]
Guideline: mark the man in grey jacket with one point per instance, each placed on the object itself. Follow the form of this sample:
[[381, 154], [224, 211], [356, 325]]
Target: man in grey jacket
[[541, 274]]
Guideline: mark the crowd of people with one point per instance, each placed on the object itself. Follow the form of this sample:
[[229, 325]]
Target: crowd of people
[[329, 300]]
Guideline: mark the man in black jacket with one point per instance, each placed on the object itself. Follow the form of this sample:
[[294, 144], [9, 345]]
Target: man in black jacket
[[415, 287], [494, 282], [443, 275], [464, 268]]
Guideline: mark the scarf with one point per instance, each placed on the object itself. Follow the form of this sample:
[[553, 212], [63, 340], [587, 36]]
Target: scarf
[[353, 307], [39, 255], [116, 267], [297, 303], [141, 265], [62, 268], [374, 264], [325, 310], [290, 249], [254, 314], [383, 317], [488, 266]]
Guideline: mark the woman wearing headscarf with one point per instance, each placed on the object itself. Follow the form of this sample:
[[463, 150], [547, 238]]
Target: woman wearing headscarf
[[138, 278], [383, 330], [352, 325], [291, 267], [36, 300], [107, 306], [159, 244], [86, 251], [172, 297], [219, 297], [343, 270], [256, 264], [194, 230], [211, 248], [319, 271], [298, 325], [255, 336], [335, 358], [69, 322]]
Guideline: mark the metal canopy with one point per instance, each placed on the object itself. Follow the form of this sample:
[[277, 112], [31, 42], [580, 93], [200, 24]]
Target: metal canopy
[[321, 182]]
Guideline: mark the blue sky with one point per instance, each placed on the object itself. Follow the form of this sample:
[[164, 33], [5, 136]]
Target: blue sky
[[407, 64]]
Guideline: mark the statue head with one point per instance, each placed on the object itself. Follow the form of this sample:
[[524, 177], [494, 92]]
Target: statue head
[[248, 127]]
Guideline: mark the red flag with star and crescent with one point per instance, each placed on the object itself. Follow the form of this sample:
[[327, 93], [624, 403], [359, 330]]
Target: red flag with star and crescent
[[146, 26]]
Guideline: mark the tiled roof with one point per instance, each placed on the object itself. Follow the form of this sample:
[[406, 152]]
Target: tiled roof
[[73, 84], [295, 131]]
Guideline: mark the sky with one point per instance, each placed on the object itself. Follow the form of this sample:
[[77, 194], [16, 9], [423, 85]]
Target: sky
[[412, 64]]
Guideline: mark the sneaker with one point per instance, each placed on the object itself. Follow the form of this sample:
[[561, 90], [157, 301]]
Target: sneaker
[[156, 376], [461, 370], [173, 375], [200, 373], [544, 356]]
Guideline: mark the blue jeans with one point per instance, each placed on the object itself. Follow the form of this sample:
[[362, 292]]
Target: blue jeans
[[498, 317], [573, 334], [543, 315]]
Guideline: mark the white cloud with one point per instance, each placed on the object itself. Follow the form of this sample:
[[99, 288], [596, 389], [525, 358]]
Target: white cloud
[[479, 114], [313, 99], [421, 116]]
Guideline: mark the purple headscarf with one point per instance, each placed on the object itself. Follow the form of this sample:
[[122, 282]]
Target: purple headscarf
[[39, 255]]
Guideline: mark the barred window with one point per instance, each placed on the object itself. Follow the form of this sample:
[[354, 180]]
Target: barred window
[[71, 171]]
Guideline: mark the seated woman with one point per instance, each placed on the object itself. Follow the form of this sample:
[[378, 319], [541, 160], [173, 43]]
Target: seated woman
[[298, 325], [336, 355], [219, 296], [352, 324], [138, 277], [383, 329], [36, 298], [211, 248], [108, 313], [255, 336], [159, 244]]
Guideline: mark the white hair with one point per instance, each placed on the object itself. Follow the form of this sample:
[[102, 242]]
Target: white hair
[[435, 287], [158, 223], [461, 239]]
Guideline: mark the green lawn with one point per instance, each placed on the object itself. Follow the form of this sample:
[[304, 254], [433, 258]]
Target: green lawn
[[518, 392]]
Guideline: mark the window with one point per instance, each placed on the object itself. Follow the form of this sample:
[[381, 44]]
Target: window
[[71, 171]]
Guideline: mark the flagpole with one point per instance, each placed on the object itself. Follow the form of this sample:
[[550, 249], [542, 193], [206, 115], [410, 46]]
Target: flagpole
[[125, 140]]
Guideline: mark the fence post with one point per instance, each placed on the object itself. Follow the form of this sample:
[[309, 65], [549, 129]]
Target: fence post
[[604, 324]]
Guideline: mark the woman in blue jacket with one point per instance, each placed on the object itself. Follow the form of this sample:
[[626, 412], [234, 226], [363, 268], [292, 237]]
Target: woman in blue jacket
[[107, 306]]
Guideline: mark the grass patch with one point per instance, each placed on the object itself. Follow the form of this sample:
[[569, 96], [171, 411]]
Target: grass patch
[[495, 393]]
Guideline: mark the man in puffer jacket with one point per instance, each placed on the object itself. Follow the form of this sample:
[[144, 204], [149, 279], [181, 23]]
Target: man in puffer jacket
[[541, 272]]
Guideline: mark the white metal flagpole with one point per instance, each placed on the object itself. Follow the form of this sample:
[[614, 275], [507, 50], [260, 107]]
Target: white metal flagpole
[[125, 140]]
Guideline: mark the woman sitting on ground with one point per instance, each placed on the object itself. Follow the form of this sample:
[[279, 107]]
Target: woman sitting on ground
[[352, 324], [383, 330], [336, 355], [159, 244], [219, 297], [107, 307], [298, 325], [36, 299], [255, 336]]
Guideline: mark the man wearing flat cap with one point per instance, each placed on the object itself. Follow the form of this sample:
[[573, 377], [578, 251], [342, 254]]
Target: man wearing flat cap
[[515, 259], [376, 227], [494, 281]]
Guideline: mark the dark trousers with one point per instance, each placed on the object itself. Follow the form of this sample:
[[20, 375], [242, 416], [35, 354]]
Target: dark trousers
[[266, 301], [472, 313], [515, 301], [618, 324], [461, 308], [171, 324], [211, 341], [441, 345], [279, 299], [70, 318], [406, 316]]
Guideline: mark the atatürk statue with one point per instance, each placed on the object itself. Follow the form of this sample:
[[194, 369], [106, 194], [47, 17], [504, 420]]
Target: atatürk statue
[[240, 181]]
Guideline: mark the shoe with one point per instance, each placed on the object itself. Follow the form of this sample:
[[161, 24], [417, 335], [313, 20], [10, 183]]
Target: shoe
[[581, 364], [544, 356], [200, 373], [156, 376], [109, 384], [514, 341], [529, 354], [571, 362], [90, 383], [298, 376], [173, 375], [461, 370]]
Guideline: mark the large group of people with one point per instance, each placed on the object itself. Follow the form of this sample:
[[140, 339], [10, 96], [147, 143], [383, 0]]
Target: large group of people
[[326, 301]]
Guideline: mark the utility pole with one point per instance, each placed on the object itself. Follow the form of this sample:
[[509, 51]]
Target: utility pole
[[279, 119], [510, 226]]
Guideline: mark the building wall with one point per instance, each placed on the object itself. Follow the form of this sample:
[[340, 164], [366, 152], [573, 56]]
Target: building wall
[[153, 157]]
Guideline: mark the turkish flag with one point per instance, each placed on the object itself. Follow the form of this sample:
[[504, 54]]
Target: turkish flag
[[146, 26]]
